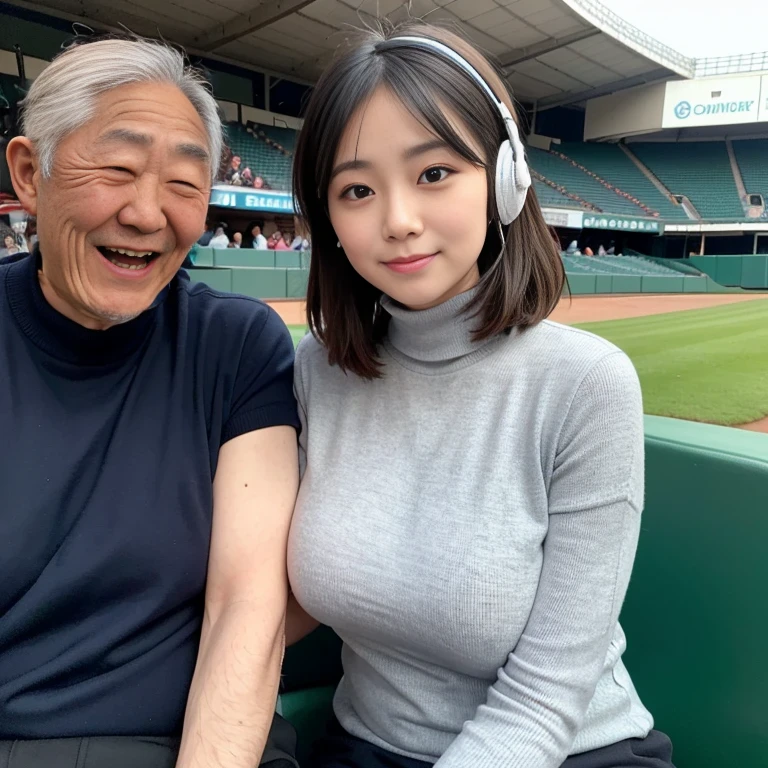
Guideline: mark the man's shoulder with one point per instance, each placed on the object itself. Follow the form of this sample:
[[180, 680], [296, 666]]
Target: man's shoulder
[[6, 261], [229, 315]]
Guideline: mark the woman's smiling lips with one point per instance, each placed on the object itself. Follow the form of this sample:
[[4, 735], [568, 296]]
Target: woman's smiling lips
[[413, 263]]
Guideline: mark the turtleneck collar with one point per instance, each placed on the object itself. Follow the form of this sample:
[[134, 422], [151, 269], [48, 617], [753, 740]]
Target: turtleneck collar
[[435, 339], [61, 337]]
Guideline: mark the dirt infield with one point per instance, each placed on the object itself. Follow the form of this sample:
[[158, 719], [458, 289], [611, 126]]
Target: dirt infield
[[588, 309]]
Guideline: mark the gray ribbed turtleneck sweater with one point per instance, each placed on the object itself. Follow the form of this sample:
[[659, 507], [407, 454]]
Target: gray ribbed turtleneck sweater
[[467, 524]]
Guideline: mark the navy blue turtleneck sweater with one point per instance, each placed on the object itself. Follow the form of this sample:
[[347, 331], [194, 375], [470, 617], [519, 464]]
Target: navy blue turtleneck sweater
[[108, 447]]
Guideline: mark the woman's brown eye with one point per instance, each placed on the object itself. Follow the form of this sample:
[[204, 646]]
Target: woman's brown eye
[[358, 192], [433, 175]]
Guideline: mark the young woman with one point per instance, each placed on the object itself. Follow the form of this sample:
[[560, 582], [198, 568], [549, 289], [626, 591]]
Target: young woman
[[472, 473]]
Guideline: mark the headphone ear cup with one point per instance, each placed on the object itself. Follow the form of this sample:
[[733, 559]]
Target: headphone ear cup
[[509, 197]]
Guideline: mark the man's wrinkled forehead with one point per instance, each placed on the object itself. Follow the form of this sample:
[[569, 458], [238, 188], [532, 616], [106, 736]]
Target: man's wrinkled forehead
[[138, 138]]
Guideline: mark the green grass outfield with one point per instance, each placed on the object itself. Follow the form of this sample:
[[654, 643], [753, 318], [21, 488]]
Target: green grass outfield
[[701, 364]]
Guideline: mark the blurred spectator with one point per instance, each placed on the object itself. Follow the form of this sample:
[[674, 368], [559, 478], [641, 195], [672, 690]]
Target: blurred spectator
[[588, 251], [247, 177], [9, 246], [601, 251], [32, 233], [299, 243], [233, 175], [258, 183], [573, 246], [254, 236], [283, 242], [219, 240], [205, 238], [237, 240]]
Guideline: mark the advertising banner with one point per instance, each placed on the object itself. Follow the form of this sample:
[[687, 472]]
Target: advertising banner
[[712, 101], [625, 223], [250, 199]]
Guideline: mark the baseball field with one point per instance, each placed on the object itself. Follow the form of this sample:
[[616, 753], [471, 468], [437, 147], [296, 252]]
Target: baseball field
[[705, 364]]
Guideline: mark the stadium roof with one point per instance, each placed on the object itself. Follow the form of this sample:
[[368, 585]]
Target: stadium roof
[[554, 52]]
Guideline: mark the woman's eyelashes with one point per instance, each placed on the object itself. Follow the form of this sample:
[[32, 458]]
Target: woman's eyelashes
[[357, 192], [435, 174], [430, 176]]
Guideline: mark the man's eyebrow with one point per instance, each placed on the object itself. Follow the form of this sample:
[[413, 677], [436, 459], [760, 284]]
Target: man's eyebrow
[[427, 146], [194, 151], [350, 165], [125, 135]]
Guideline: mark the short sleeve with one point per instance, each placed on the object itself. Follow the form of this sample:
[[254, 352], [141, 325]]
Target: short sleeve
[[263, 389]]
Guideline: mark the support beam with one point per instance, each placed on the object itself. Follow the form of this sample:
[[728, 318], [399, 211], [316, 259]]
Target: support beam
[[264, 13], [561, 100], [546, 46]]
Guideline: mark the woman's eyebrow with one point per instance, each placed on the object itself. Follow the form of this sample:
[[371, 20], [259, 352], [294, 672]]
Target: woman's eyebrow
[[350, 165], [423, 148], [418, 149]]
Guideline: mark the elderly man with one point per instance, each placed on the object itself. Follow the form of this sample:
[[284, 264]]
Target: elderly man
[[149, 461]]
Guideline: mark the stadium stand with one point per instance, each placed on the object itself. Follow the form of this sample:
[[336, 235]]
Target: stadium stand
[[268, 162], [610, 162], [549, 196], [580, 183], [752, 158], [699, 170], [284, 137], [616, 265]]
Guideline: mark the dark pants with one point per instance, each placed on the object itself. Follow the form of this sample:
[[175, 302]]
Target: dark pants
[[129, 751], [340, 750]]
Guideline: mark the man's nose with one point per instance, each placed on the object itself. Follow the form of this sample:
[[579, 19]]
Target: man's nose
[[144, 211]]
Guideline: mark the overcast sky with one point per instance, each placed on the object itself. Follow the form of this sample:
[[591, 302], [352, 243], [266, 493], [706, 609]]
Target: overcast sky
[[739, 26]]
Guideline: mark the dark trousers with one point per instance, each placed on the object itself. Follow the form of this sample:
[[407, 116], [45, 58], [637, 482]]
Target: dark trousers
[[340, 750], [130, 751]]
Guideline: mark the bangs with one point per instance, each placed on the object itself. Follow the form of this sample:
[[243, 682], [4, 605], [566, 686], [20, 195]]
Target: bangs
[[428, 99]]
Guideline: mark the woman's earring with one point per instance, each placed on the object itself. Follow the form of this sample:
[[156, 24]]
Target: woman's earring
[[338, 244]]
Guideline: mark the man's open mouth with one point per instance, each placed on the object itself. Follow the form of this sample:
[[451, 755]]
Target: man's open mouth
[[126, 258]]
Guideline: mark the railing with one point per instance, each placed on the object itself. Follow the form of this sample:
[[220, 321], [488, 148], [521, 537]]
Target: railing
[[728, 65], [606, 19], [628, 33]]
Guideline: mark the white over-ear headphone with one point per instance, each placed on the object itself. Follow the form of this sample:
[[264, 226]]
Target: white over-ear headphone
[[512, 175]]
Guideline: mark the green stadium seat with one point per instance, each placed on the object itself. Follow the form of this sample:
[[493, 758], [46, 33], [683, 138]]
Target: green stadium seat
[[692, 617], [552, 198], [752, 158], [265, 161], [699, 170], [611, 163], [203, 257], [243, 257], [579, 183]]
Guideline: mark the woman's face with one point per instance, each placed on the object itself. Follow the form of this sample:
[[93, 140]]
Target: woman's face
[[410, 214], [8, 240]]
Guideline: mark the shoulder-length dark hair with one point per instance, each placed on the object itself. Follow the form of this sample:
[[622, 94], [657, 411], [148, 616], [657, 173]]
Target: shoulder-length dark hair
[[519, 287]]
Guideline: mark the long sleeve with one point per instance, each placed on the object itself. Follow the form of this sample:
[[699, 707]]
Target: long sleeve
[[538, 702]]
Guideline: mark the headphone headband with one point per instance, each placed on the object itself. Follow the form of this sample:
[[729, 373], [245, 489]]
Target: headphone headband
[[411, 41]]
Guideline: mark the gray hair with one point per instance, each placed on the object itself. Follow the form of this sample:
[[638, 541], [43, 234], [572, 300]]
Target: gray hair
[[63, 98]]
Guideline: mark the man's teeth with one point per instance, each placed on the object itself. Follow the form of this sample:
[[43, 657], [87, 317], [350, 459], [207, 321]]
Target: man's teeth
[[128, 266], [135, 254]]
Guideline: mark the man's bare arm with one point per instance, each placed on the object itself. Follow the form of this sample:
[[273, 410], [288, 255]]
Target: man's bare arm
[[232, 699]]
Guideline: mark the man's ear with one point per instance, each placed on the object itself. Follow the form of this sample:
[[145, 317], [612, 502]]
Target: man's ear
[[24, 169]]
